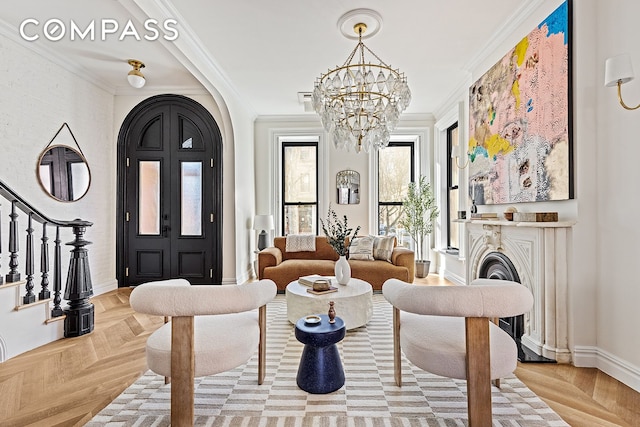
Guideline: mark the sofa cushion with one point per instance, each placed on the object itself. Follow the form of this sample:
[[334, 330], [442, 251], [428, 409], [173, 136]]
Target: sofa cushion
[[323, 250], [361, 248], [300, 243], [383, 247]]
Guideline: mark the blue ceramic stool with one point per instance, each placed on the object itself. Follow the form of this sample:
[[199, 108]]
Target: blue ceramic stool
[[320, 369]]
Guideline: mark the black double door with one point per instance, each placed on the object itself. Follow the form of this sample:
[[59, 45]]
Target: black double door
[[172, 195]]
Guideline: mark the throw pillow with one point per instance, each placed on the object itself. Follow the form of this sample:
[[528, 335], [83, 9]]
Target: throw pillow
[[383, 247], [300, 243], [361, 248]]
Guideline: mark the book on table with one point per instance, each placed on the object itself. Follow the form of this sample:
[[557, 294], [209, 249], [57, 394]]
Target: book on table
[[314, 278], [484, 215], [327, 291]]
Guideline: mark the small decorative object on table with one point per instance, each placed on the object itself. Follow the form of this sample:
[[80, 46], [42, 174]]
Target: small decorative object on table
[[337, 234], [508, 213], [332, 312]]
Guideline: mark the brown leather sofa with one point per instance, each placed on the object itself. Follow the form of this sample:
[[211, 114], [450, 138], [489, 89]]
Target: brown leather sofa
[[283, 267]]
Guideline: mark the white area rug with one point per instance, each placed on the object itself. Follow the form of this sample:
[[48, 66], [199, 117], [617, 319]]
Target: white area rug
[[368, 398]]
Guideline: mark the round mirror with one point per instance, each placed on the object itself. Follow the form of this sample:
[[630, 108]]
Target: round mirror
[[64, 173]]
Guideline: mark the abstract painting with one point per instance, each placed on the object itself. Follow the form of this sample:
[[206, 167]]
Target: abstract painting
[[520, 120]]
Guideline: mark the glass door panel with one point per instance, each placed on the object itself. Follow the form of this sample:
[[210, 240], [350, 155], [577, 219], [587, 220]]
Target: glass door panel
[[149, 198], [191, 198]]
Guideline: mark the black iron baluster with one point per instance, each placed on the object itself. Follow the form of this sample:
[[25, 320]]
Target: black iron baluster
[[13, 275], [30, 297], [57, 276], [44, 264]]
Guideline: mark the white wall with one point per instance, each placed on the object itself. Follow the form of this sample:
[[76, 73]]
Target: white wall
[[38, 96], [603, 291], [616, 232], [268, 128]]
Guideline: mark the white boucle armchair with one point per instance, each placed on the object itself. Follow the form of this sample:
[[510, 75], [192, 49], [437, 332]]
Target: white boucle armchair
[[213, 329], [447, 330]]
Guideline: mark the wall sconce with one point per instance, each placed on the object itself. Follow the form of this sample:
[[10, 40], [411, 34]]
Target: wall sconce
[[456, 153], [617, 71], [135, 77], [263, 223]]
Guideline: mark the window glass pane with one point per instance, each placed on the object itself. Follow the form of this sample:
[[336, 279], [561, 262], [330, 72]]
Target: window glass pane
[[454, 229], [152, 135], [299, 174], [190, 137], [149, 197], [394, 173], [453, 192], [300, 219], [191, 199], [453, 134], [388, 217]]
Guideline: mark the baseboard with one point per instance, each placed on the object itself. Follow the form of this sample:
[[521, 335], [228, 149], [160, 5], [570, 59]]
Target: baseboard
[[593, 357], [105, 287], [458, 280]]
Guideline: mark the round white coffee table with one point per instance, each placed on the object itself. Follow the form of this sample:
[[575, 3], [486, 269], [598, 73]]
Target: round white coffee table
[[353, 302]]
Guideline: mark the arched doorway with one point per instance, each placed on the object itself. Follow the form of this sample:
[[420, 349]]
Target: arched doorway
[[169, 193]]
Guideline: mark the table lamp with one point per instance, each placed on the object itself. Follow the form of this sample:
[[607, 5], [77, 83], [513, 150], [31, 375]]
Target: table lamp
[[262, 223]]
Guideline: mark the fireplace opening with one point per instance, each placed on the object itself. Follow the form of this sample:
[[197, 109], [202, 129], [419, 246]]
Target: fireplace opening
[[498, 266]]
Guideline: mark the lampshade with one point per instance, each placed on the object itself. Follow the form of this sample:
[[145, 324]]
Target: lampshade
[[455, 151], [618, 68], [263, 222], [135, 77]]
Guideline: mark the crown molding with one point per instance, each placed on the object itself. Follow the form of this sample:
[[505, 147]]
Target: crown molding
[[188, 47], [11, 33], [499, 36], [503, 32]]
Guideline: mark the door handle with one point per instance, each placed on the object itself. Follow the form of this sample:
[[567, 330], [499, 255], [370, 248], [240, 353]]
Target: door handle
[[165, 231]]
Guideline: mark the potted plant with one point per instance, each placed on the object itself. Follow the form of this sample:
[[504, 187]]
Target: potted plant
[[337, 233], [419, 211]]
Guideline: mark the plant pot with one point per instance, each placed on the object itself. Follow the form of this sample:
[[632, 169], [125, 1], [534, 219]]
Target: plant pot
[[422, 268], [342, 270]]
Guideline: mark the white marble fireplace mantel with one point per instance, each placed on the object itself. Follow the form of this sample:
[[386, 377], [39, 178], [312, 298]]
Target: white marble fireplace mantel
[[539, 252]]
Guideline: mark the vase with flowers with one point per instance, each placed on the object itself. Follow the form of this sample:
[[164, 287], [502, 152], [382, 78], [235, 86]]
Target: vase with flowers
[[339, 235]]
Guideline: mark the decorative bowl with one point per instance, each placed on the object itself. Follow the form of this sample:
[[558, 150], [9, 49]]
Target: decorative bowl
[[312, 320]]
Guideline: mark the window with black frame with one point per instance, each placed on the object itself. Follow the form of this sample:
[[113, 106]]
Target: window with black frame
[[453, 192], [299, 187], [395, 172]]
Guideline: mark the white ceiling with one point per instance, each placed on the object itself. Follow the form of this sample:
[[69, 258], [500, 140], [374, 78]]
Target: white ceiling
[[271, 50]]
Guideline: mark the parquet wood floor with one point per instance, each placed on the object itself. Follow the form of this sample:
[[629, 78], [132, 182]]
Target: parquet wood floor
[[67, 382]]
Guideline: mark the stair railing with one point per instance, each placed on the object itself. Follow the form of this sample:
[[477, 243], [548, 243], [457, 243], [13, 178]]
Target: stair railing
[[79, 313]]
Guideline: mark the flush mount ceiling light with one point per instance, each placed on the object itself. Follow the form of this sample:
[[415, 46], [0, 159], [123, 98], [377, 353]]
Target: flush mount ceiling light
[[135, 77], [360, 102]]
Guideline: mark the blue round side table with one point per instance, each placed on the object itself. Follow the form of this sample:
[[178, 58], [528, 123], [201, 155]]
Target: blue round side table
[[320, 369]]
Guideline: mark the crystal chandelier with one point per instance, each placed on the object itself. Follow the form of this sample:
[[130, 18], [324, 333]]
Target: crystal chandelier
[[359, 103]]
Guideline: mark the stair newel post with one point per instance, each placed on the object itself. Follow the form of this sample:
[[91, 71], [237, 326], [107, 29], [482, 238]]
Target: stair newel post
[[57, 276], [13, 275], [44, 264], [80, 311], [30, 297]]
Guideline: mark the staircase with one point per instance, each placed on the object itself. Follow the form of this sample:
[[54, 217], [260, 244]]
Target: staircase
[[31, 313]]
